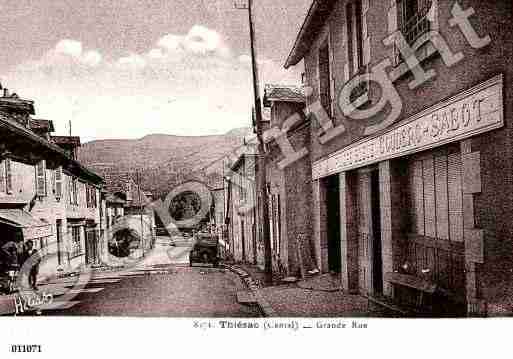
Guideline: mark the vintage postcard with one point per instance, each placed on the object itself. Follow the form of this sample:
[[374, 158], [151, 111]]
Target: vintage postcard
[[294, 166]]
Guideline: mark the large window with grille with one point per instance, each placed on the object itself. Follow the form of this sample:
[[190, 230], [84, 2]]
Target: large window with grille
[[413, 18], [435, 240], [413, 21]]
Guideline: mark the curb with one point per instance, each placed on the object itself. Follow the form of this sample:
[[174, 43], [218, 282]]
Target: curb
[[262, 303]]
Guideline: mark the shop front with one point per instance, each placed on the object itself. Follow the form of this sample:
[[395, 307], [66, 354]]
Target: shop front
[[397, 210], [16, 228]]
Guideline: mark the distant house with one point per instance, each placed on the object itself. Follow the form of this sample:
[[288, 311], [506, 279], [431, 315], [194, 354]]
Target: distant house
[[70, 144], [241, 213]]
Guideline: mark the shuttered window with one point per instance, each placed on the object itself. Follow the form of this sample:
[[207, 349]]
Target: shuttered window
[[6, 176], [325, 77], [41, 178], [354, 23], [436, 196]]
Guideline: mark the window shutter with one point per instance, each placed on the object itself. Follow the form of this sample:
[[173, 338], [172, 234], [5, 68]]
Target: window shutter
[[442, 201], [58, 182], [429, 197], [2, 177], [8, 175], [41, 178], [455, 191]]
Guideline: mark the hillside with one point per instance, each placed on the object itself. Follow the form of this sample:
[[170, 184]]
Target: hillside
[[164, 160]]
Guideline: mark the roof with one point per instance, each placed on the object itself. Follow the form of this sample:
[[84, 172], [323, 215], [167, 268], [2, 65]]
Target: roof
[[31, 226], [315, 19], [67, 140], [283, 93], [14, 103], [69, 164], [45, 125]]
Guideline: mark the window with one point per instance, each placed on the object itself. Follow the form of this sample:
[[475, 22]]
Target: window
[[89, 195], [76, 244], [6, 176], [413, 20], [72, 191], [325, 77], [41, 179], [354, 19]]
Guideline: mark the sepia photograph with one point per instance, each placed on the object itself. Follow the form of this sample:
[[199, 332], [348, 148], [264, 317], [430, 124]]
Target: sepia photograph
[[260, 166]]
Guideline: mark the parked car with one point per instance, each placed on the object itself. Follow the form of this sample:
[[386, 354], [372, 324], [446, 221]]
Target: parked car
[[205, 249], [161, 231]]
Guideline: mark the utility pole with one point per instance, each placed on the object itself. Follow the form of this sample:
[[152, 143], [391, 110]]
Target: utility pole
[[261, 163], [140, 210]]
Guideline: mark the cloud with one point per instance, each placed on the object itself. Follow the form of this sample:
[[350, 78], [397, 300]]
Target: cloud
[[92, 58], [171, 42], [184, 84], [69, 47], [132, 61]]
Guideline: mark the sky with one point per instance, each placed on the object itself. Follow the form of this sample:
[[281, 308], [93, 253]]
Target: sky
[[127, 68]]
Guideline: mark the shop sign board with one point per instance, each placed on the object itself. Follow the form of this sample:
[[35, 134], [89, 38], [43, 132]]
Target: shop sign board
[[475, 111]]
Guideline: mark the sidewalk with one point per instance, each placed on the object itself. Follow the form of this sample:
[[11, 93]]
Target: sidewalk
[[318, 296]]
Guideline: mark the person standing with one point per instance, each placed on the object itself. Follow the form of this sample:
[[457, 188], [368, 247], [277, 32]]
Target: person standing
[[32, 255]]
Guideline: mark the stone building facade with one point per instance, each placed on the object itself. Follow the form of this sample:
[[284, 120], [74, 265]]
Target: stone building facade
[[289, 184], [415, 189], [41, 186]]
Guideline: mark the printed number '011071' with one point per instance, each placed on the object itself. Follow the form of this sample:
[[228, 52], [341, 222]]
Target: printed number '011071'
[[26, 348]]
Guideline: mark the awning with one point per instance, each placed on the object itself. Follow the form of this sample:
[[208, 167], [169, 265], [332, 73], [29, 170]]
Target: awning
[[31, 227]]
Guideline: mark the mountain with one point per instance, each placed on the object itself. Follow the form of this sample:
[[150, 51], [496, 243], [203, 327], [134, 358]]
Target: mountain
[[164, 160]]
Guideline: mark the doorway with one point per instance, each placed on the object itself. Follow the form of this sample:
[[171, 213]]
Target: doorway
[[377, 259], [59, 241], [333, 223]]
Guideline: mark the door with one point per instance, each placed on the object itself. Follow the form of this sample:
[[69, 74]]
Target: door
[[333, 223], [243, 239], [377, 259], [59, 241]]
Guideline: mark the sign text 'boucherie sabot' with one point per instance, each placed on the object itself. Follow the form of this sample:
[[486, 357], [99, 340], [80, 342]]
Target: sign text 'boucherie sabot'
[[477, 110]]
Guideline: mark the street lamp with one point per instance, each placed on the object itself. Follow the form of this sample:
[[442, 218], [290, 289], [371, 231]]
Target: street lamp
[[261, 163]]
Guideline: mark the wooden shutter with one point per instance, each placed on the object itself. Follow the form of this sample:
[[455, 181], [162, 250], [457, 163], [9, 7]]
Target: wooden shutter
[[8, 175], [429, 197], [325, 77], [70, 189], [41, 178], [3, 188], [358, 13], [417, 195], [455, 190], [58, 182], [442, 201], [75, 193]]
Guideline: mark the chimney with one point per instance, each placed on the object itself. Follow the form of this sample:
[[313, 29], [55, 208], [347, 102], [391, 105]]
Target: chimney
[[6, 92]]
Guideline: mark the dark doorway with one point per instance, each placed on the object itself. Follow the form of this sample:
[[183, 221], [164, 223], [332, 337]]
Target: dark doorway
[[377, 260], [333, 223], [243, 240], [59, 241]]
